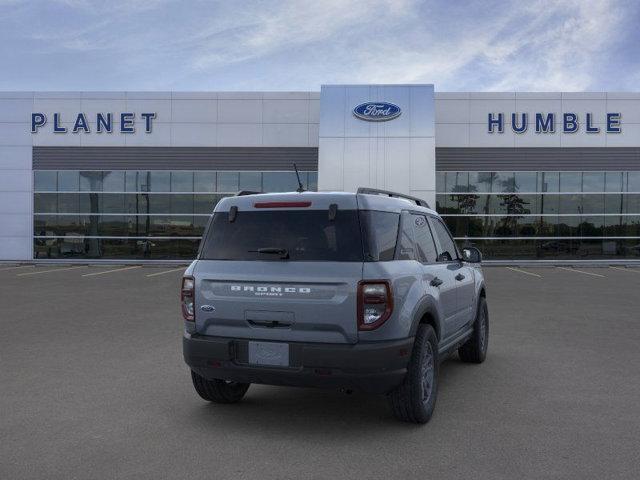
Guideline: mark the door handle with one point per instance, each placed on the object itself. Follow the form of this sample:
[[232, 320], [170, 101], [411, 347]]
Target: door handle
[[460, 277], [436, 282]]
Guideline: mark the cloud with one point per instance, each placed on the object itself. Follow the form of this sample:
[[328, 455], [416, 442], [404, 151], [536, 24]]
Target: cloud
[[256, 33], [299, 44]]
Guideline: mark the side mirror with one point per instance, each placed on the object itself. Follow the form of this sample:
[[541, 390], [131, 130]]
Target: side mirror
[[471, 255]]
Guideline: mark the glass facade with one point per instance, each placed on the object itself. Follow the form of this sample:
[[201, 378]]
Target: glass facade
[[507, 215], [543, 215], [137, 214]]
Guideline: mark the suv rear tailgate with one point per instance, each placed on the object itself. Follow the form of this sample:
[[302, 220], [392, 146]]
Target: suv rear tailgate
[[278, 300]]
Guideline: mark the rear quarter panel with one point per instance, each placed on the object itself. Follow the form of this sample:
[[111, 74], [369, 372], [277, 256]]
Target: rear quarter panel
[[408, 292]]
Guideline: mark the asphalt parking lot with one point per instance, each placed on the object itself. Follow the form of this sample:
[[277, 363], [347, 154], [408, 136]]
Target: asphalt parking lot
[[93, 385]]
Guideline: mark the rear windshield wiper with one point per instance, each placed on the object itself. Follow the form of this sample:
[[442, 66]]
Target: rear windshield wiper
[[283, 252]]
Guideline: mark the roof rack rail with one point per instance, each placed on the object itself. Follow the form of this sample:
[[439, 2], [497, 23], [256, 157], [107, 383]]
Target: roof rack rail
[[242, 193], [375, 191]]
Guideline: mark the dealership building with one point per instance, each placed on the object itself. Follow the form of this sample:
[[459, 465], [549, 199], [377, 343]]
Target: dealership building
[[135, 175]]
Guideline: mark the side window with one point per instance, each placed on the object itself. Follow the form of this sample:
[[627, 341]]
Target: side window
[[446, 246], [424, 241], [406, 243]]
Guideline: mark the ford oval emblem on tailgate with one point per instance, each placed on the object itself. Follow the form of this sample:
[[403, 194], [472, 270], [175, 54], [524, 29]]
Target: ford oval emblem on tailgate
[[377, 111], [207, 308]]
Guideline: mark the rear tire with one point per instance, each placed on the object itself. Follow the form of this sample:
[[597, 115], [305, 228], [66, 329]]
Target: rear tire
[[415, 400], [218, 391], [474, 350]]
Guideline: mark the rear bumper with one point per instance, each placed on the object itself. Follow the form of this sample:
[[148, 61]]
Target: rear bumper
[[374, 367]]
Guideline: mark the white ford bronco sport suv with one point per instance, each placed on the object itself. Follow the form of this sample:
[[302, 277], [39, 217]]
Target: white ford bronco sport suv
[[363, 291]]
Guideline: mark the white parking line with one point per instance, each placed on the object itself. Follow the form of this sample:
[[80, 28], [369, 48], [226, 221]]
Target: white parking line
[[50, 271], [166, 271], [634, 270], [111, 271], [581, 271], [15, 268], [522, 271]]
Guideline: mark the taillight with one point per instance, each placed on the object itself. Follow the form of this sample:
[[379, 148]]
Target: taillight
[[375, 303], [187, 298]]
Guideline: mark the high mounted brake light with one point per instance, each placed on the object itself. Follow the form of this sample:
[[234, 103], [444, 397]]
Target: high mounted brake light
[[282, 204], [375, 303]]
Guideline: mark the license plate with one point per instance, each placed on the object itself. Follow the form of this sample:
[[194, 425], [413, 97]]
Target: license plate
[[269, 353]]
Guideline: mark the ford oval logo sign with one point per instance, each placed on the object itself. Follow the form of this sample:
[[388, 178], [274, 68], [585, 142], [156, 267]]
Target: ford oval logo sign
[[377, 111]]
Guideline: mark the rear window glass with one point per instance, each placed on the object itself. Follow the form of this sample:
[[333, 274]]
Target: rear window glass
[[380, 233], [305, 235]]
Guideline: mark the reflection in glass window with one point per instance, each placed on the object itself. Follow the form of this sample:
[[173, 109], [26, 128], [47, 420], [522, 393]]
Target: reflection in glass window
[[548, 226], [158, 203], [633, 182], [504, 182], [549, 204], [204, 181], [527, 226], [90, 181], [113, 181], [458, 226], [45, 225], [228, 182], [68, 181], [181, 203], [446, 247], [632, 226], [480, 181], [440, 182], [312, 183], [424, 239], [45, 181], [87, 202], [457, 182], [112, 203], [134, 181], [592, 203], [251, 181], [526, 182], [570, 181], [159, 182], [516, 204], [571, 203], [614, 225], [569, 226], [549, 182], [279, 182], [68, 203], [182, 181], [593, 182], [93, 204], [613, 182], [631, 203], [205, 203], [591, 226], [406, 248]]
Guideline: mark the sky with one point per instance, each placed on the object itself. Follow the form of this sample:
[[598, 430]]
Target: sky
[[283, 45]]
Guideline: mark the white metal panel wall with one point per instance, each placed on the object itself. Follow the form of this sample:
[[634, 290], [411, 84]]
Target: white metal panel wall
[[183, 119], [187, 119], [16, 224], [397, 155], [461, 118]]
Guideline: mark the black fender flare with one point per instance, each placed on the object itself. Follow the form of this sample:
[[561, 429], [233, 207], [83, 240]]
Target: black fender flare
[[427, 305], [481, 288]]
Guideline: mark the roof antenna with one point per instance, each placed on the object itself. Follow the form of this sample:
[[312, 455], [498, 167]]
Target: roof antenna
[[300, 188]]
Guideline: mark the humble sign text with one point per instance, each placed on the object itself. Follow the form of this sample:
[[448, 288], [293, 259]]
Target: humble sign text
[[551, 123]]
